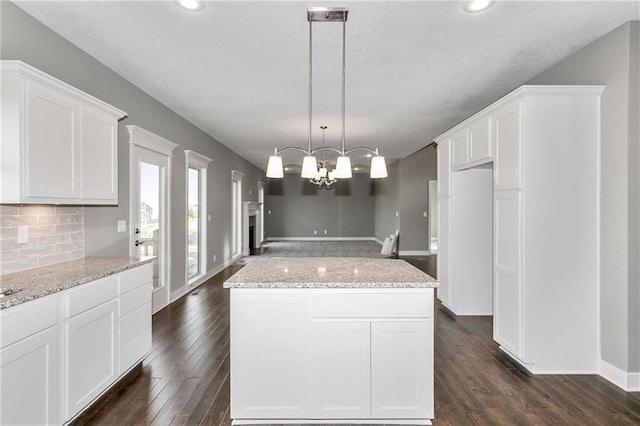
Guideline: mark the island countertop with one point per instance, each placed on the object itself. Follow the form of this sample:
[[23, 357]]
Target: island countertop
[[39, 282], [330, 272]]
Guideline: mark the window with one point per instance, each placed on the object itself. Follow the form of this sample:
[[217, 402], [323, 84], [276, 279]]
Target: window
[[196, 235]]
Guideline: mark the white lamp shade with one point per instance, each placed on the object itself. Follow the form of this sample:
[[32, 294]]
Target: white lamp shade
[[274, 167], [343, 168], [309, 167], [378, 167]]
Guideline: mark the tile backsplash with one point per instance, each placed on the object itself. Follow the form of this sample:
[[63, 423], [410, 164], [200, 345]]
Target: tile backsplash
[[55, 234]]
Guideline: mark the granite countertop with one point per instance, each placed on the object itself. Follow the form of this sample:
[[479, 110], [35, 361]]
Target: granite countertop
[[330, 272], [39, 282]]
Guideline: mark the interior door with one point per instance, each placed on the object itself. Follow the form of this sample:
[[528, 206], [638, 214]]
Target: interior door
[[149, 221]]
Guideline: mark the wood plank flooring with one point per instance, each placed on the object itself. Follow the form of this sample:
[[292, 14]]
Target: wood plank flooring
[[185, 379]]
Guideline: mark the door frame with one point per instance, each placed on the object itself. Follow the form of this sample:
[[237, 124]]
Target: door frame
[[140, 138]]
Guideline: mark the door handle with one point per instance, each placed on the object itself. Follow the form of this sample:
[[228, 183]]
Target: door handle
[[141, 242]]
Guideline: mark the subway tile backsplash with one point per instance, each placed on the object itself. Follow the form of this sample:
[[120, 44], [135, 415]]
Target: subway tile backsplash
[[56, 234]]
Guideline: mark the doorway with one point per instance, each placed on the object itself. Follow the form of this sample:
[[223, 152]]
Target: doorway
[[150, 162]]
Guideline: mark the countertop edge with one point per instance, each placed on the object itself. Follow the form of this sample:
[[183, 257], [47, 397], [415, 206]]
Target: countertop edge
[[321, 285], [18, 299]]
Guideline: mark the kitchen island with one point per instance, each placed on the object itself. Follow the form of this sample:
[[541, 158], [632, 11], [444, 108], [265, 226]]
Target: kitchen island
[[331, 340]]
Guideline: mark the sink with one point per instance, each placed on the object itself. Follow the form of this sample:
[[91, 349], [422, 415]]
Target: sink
[[8, 291]]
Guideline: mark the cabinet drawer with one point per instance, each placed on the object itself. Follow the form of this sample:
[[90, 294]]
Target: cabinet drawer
[[134, 299], [134, 278], [372, 304], [89, 295], [134, 323], [29, 318], [134, 350]]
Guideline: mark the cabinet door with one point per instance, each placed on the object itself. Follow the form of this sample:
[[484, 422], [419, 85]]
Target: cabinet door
[[402, 369], [29, 380], [91, 355], [443, 257], [269, 354], [508, 145], [460, 148], [52, 150], [99, 156], [480, 140], [340, 378], [444, 168], [507, 293]]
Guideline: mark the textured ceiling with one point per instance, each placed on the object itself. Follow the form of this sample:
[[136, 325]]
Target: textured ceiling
[[239, 70]]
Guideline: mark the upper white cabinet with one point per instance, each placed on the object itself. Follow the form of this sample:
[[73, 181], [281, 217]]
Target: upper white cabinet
[[58, 144], [444, 167], [544, 146], [480, 148], [460, 148]]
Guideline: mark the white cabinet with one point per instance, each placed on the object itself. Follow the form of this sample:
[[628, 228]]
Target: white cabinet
[[460, 148], [134, 316], [52, 147], [29, 376], [544, 146], [269, 354], [91, 355], [507, 141], [444, 237], [402, 369], [331, 354], [340, 376], [62, 351], [59, 144], [480, 147], [444, 167]]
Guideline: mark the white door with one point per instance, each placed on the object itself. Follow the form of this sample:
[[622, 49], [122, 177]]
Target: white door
[[29, 385], [53, 144], [340, 370], [401, 366], [149, 216], [91, 354]]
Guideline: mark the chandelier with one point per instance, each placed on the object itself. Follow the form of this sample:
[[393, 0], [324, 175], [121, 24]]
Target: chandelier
[[323, 177], [310, 168]]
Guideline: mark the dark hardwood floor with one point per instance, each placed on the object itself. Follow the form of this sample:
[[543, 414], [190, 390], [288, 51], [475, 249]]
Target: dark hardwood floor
[[185, 379]]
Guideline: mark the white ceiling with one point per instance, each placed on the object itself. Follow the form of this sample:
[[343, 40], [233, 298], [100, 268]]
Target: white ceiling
[[239, 70]]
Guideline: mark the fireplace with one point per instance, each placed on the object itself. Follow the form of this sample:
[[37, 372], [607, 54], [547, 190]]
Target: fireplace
[[251, 217]]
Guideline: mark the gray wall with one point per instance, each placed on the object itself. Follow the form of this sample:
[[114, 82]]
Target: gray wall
[[298, 208], [387, 202], [613, 61], [415, 173], [406, 191], [24, 38]]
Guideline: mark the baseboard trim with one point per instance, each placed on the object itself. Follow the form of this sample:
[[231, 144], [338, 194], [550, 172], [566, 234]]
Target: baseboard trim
[[322, 239], [629, 382], [414, 253], [377, 240]]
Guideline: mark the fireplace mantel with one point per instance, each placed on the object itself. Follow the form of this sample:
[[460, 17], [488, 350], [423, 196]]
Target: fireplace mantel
[[251, 208]]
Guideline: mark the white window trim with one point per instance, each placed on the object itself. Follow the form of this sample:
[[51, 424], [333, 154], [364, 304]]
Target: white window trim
[[237, 175], [144, 138], [198, 161], [236, 216]]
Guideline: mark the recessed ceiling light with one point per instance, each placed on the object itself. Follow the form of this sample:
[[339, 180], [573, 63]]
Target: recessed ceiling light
[[286, 169], [369, 155], [191, 5], [474, 6]]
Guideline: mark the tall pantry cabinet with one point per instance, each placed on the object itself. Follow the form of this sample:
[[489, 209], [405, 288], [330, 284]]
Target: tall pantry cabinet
[[543, 143]]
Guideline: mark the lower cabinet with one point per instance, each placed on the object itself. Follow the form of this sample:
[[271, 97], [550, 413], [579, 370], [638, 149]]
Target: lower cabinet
[[91, 355], [336, 354], [61, 352], [402, 369], [29, 380], [340, 369]]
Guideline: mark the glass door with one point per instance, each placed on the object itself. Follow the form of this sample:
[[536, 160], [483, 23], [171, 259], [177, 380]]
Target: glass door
[[149, 216]]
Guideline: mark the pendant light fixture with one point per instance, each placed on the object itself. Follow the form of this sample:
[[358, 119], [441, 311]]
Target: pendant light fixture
[[343, 163]]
